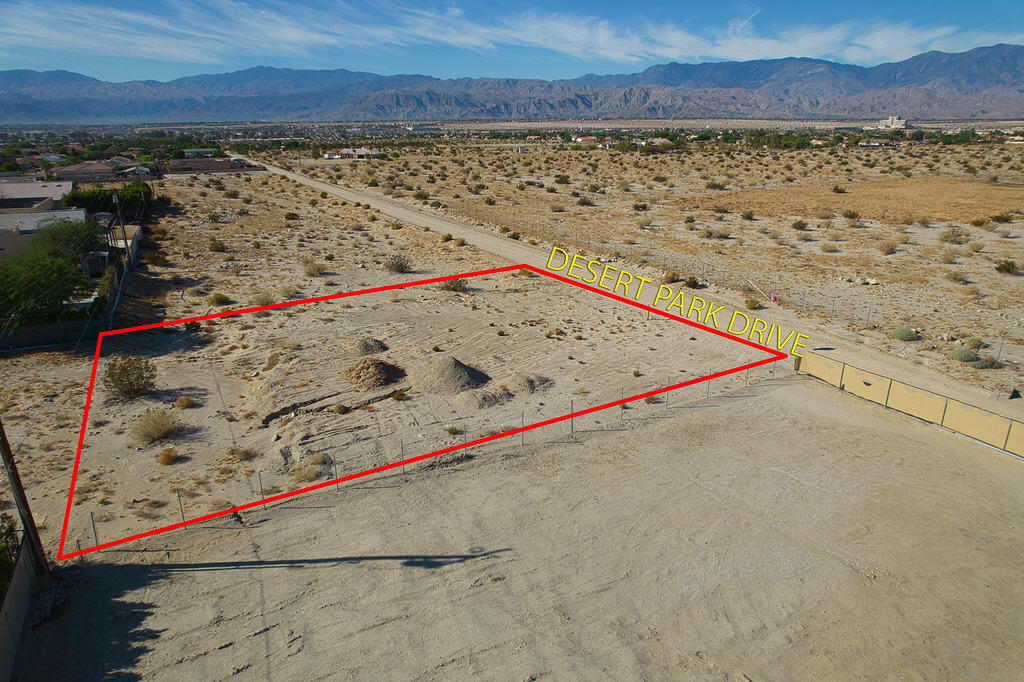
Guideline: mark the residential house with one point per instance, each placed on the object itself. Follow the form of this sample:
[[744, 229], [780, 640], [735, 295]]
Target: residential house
[[32, 195], [17, 228]]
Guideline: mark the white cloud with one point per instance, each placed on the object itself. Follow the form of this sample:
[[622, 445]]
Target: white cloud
[[190, 31]]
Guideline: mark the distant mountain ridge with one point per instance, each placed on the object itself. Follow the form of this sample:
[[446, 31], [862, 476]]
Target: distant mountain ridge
[[986, 82]]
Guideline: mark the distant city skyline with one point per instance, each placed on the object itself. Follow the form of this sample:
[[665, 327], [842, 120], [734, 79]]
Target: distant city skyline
[[133, 40]]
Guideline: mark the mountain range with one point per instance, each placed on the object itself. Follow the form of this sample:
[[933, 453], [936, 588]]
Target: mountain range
[[983, 83]]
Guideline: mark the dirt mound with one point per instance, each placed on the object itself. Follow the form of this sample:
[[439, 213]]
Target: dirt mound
[[373, 373], [485, 397], [525, 384], [447, 375], [366, 346]]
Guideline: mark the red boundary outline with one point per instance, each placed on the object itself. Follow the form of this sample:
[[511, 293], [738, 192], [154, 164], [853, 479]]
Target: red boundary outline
[[775, 356]]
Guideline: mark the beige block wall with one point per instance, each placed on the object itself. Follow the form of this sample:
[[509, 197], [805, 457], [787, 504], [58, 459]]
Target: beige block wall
[[976, 423], [1015, 444], [823, 368], [917, 402], [873, 387]]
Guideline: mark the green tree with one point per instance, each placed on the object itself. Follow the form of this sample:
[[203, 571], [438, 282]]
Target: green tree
[[67, 238], [39, 285]]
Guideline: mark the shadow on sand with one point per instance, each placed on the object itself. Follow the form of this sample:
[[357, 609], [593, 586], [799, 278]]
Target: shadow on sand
[[97, 628]]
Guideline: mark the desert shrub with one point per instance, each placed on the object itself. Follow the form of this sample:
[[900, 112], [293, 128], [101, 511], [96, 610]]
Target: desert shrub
[[828, 247], [453, 430], [886, 248], [752, 304], [217, 246], [458, 285], [184, 402], [304, 473], [446, 237], [689, 220], [948, 256], [291, 215], [799, 225], [154, 426], [985, 363], [237, 454], [851, 215], [714, 185], [838, 189], [1002, 218], [262, 298], [692, 282], [670, 276], [192, 326], [168, 456], [585, 201], [561, 179], [314, 269], [905, 334], [975, 342], [398, 263], [421, 195], [979, 222], [129, 376], [460, 242], [1007, 266], [964, 355], [557, 208], [218, 299], [748, 215], [957, 277], [640, 207], [514, 235], [954, 235]]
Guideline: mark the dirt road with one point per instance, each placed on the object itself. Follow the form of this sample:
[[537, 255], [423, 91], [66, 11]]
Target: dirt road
[[841, 344]]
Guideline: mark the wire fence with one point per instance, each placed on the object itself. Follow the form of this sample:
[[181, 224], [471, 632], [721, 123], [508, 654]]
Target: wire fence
[[402, 437], [851, 304]]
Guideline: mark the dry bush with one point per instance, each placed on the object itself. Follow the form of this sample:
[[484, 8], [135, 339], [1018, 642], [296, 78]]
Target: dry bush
[[288, 291], [828, 247], [886, 248], [184, 402], [168, 456], [262, 298], [154, 426], [304, 473], [314, 269], [237, 454], [954, 235]]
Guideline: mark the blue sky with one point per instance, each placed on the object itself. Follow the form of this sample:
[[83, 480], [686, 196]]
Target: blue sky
[[163, 40]]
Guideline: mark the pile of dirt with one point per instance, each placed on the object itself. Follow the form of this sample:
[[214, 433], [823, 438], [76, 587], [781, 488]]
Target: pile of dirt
[[525, 384], [366, 346], [445, 374], [485, 397], [373, 373]]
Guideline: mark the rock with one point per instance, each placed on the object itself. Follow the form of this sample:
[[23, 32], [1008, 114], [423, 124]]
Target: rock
[[276, 437]]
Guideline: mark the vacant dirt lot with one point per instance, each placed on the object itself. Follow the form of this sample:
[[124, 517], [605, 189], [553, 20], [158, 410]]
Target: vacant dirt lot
[[741, 540]]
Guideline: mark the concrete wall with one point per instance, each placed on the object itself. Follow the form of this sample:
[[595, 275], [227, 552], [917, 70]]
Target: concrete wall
[[15, 611], [976, 423], [823, 368], [917, 402], [873, 387], [988, 427], [1015, 441]]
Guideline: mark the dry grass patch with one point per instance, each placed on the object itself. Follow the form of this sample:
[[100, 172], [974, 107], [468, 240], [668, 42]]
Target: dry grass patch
[[154, 426]]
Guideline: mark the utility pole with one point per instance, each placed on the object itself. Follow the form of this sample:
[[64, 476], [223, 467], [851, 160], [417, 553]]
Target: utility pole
[[27, 522], [124, 234]]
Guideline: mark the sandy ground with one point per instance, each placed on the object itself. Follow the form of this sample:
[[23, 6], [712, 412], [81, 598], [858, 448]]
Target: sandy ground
[[727, 215], [741, 542], [778, 530]]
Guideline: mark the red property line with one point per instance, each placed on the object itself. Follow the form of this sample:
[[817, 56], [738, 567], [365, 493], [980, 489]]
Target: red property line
[[775, 356]]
